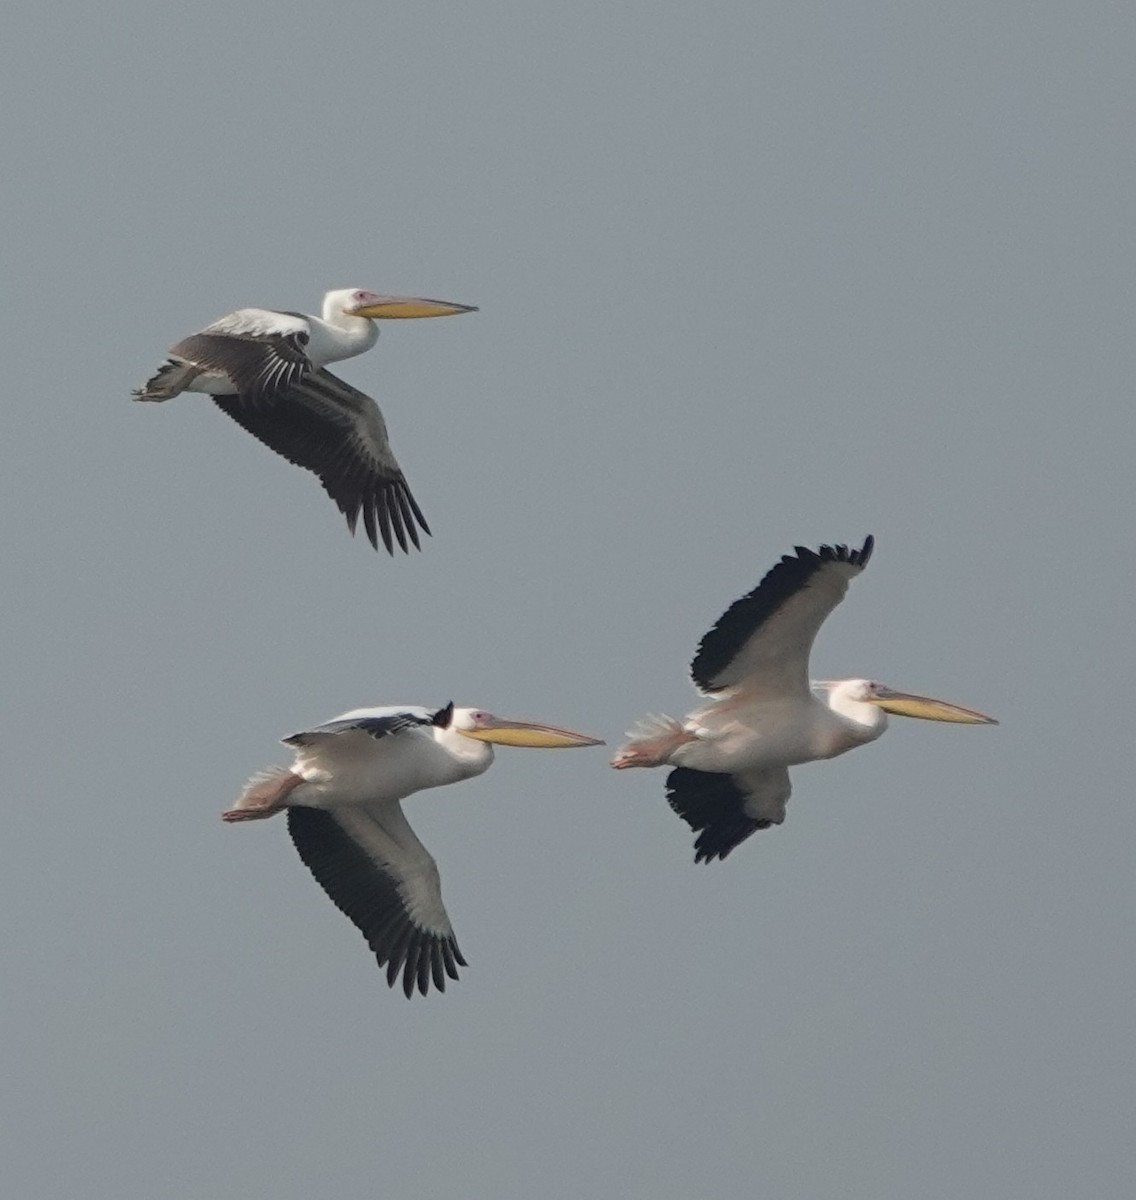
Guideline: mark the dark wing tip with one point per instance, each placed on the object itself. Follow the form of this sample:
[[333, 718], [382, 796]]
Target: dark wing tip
[[747, 614], [838, 554], [713, 806], [390, 513], [856, 558], [430, 959], [444, 716], [370, 899]]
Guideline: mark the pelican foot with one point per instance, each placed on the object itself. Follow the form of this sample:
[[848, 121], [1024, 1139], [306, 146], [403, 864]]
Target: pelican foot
[[265, 795], [251, 814], [634, 756]]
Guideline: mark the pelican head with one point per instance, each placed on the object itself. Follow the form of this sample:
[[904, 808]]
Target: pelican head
[[485, 727], [355, 302], [901, 704]]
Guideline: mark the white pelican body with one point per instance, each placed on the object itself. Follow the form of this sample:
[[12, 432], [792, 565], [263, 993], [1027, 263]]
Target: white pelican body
[[786, 731], [266, 370], [342, 793], [260, 339], [732, 756]]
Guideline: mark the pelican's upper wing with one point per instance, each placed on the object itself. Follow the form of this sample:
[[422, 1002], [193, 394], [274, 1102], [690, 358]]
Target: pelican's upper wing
[[376, 871], [762, 641], [725, 809], [337, 431], [375, 722], [261, 351]]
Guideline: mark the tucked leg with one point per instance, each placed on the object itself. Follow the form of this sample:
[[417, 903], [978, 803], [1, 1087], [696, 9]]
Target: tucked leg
[[264, 795], [651, 743]]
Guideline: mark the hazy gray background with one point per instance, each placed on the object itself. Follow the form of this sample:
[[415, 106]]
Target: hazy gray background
[[749, 275]]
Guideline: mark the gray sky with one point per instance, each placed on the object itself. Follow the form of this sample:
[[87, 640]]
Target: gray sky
[[749, 275]]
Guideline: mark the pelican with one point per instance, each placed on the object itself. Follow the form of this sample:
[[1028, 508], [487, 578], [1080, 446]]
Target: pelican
[[266, 370], [342, 794], [731, 758]]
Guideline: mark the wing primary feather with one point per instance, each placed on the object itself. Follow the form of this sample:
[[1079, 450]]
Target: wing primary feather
[[437, 968], [379, 510], [425, 965], [398, 953], [415, 509], [448, 959], [391, 507], [410, 969], [369, 523], [351, 512], [400, 492]]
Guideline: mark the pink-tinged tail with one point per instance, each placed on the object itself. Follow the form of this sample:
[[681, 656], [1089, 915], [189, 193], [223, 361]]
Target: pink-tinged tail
[[265, 794], [651, 742]]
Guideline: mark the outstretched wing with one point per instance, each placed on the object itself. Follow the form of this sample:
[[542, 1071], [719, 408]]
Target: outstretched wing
[[725, 809], [762, 641], [380, 876], [336, 431]]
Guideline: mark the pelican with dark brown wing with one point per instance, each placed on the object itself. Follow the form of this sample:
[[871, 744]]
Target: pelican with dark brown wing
[[266, 369], [731, 758]]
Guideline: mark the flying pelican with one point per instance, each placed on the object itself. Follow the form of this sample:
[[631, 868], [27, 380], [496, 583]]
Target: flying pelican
[[732, 756], [266, 370], [342, 793]]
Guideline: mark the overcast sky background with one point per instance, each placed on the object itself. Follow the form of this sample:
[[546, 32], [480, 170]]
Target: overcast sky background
[[750, 275]]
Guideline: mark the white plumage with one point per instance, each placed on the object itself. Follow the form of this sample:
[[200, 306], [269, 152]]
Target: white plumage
[[731, 756], [343, 793]]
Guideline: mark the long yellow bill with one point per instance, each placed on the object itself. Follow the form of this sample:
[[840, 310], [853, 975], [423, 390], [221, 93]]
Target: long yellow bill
[[407, 307], [907, 704], [527, 733]]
